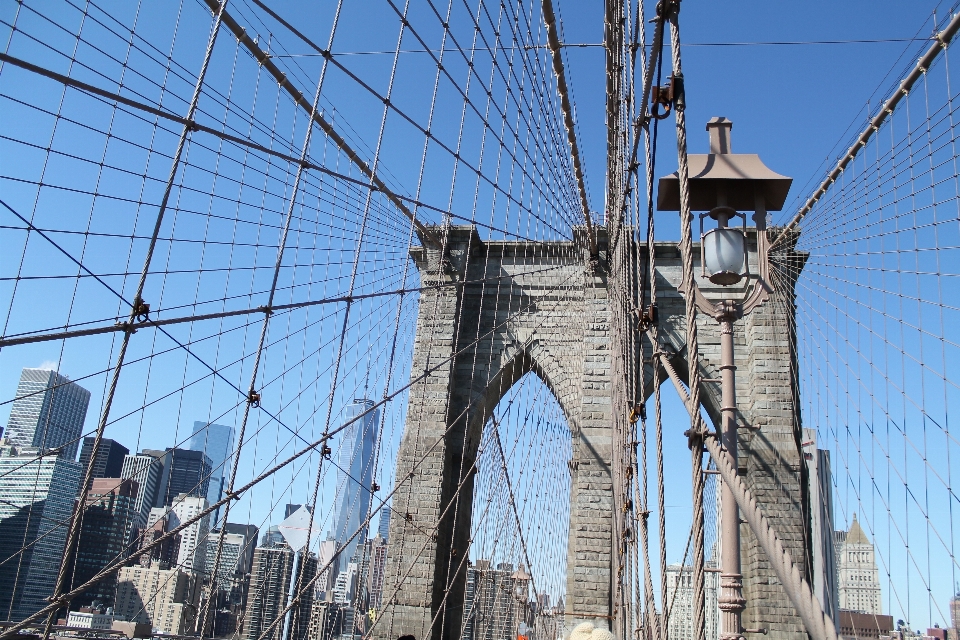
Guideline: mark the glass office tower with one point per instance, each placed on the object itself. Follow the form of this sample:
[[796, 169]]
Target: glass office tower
[[355, 459], [215, 440], [38, 495], [48, 412]]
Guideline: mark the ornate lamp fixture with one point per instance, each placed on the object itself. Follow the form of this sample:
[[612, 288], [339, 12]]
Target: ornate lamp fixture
[[720, 183]]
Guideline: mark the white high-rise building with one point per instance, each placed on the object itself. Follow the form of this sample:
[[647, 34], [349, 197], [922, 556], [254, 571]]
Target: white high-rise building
[[346, 585], [680, 594], [48, 412], [859, 579], [146, 471], [193, 540]]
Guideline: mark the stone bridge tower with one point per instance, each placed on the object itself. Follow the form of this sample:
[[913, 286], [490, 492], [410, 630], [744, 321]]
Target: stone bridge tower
[[491, 312]]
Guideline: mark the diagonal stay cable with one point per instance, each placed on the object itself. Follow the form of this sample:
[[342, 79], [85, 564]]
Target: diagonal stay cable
[[135, 310], [130, 324], [235, 495], [263, 58]]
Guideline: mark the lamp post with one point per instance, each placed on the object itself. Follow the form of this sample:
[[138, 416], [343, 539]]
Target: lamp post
[[720, 183]]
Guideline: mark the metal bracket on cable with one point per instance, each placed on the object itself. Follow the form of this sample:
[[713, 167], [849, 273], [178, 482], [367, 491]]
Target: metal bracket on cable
[[670, 96], [647, 318], [141, 310]]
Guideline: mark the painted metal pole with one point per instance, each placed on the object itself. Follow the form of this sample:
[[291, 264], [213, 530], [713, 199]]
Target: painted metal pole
[[731, 598]]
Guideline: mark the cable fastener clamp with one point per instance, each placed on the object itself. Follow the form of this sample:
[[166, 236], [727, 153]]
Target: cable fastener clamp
[[141, 310]]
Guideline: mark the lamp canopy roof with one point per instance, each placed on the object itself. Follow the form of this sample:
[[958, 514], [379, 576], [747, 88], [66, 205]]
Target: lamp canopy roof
[[738, 175]]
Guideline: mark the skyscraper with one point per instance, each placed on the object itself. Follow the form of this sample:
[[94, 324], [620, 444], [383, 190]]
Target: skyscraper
[[299, 624], [189, 473], [355, 470], [820, 490], [249, 532], [38, 494], [328, 574], [326, 620], [954, 632], [384, 528], [378, 564], [215, 440], [146, 471], [269, 586], [231, 558], [192, 555], [239, 544], [108, 515], [290, 509], [159, 522], [161, 461], [859, 579], [230, 599], [271, 536], [48, 412], [109, 462]]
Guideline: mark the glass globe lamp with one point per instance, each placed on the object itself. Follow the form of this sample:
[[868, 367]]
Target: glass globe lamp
[[723, 250]]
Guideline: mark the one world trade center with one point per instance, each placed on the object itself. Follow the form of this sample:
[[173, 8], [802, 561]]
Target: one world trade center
[[355, 460]]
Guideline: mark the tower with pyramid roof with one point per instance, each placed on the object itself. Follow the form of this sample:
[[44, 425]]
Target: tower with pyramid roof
[[859, 579]]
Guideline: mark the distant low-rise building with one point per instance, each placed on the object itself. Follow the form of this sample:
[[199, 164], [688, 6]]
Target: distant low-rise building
[[87, 618], [937, 632], [864, 626]]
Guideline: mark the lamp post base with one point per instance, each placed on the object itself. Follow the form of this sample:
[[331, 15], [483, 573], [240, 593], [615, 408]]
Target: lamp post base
[[732, 604]]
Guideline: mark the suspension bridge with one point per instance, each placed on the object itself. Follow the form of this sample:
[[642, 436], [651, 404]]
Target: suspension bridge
[[317, 337]]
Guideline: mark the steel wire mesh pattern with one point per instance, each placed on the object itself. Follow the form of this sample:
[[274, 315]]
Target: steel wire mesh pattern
[[876, 322], [212, 220], [229, 191]]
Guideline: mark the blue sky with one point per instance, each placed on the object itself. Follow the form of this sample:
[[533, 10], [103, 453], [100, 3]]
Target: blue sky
[[795, 105]]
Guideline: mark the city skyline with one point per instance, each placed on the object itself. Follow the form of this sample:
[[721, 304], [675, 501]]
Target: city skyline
[[357, 453]]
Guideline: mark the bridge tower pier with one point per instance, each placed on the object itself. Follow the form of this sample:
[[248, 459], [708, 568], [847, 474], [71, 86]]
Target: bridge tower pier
[[489, 314], [492, 311]]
